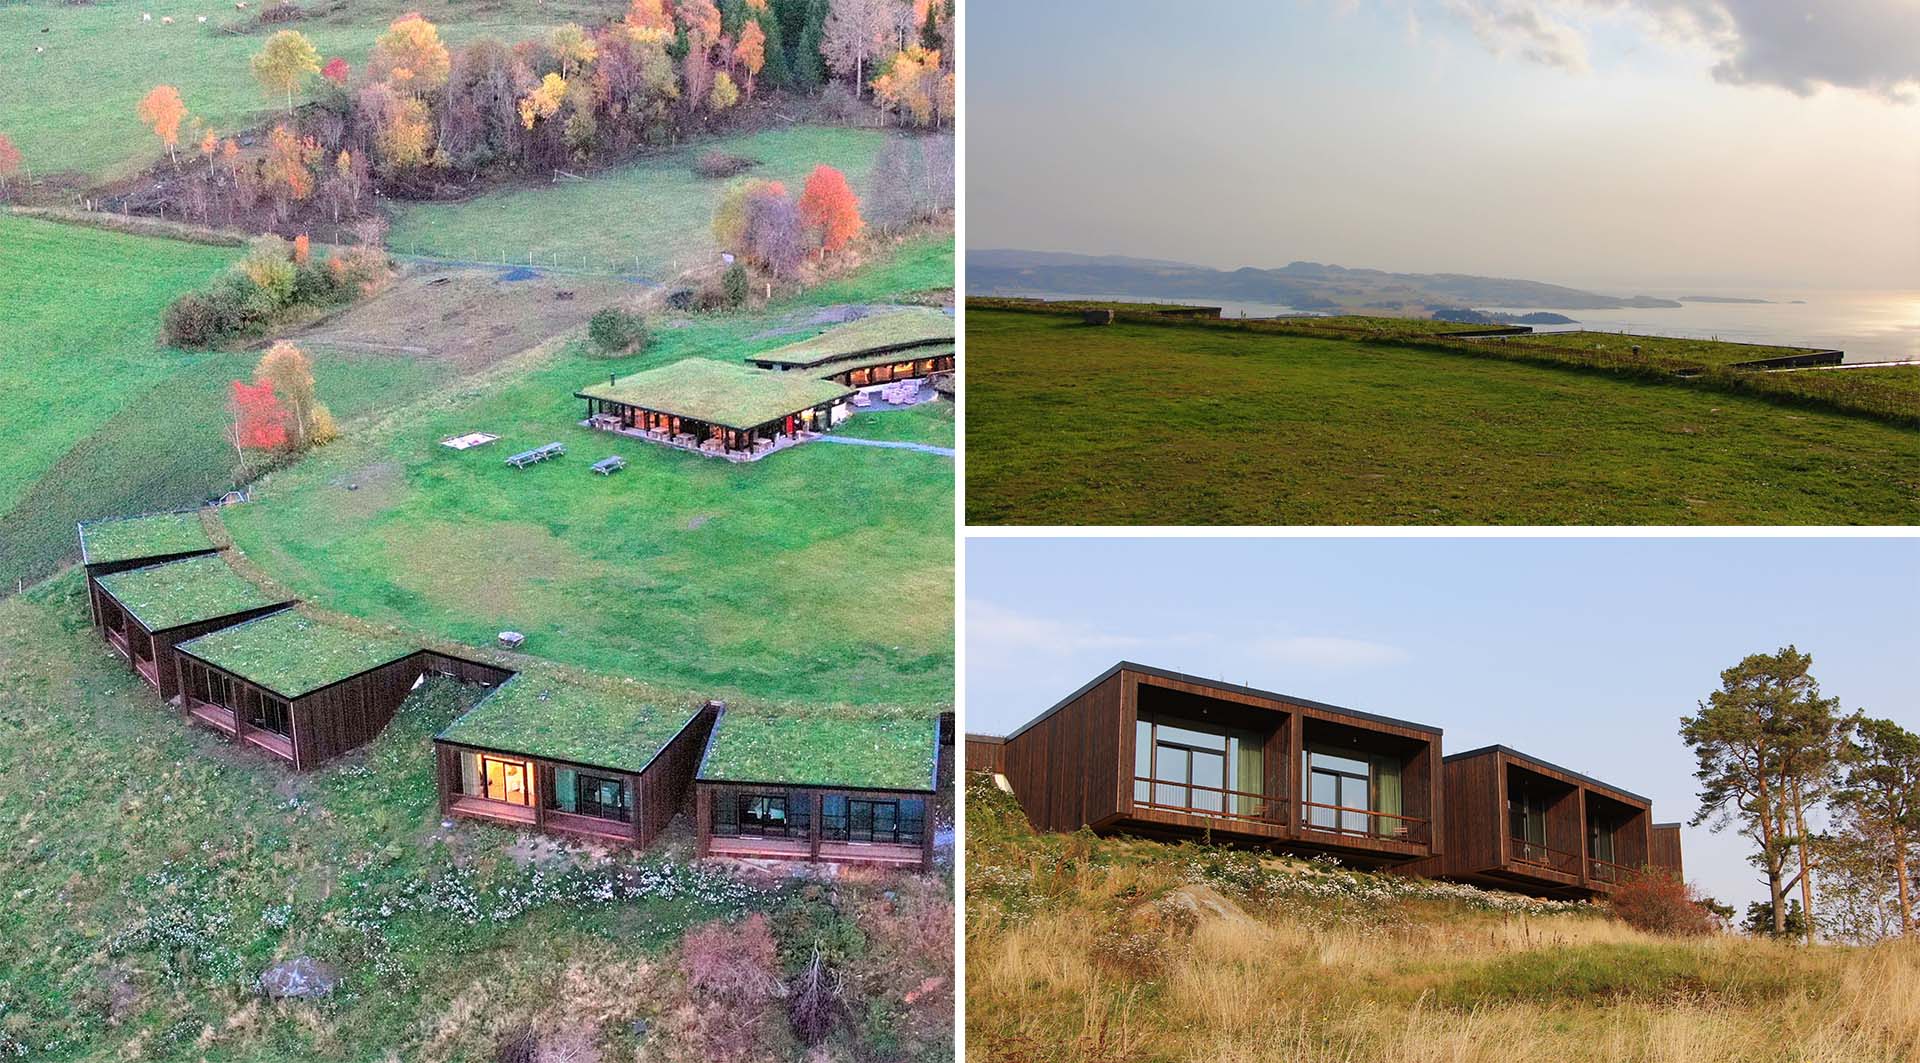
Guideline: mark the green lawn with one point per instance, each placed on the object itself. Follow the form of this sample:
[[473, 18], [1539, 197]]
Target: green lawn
[[100, 420], [930, 422], [1137, 424], [1676, 349], [652, 218], [819, 574], [71, 107], [153, 871]]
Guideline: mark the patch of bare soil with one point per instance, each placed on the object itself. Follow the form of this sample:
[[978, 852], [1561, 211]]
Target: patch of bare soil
[[470, 316]]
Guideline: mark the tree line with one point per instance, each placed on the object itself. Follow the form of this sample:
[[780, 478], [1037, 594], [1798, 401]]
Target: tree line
[[1830, 800]]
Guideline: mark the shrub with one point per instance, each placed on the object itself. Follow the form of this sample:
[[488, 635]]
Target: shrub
[[734, 284], [714, 163], [285, 11], [192, 321], [731, 961], [617, 331], [1662, 904]]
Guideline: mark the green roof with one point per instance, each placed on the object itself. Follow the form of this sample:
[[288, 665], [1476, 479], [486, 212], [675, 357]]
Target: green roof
[[133, 538], [892, 328], [185, 592], [291, 653], [884, 358], [722, 393], [543, 712], [868, 752]]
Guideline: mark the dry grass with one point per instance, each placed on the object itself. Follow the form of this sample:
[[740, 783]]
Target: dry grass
[[1114, 965]]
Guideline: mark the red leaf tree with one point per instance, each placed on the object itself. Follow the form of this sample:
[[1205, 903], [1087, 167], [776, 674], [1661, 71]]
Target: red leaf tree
[[829, 208], [335, 71], [259, 421]]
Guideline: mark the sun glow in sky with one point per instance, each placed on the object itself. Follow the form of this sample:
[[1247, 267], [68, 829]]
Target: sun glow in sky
[[1612, 144]]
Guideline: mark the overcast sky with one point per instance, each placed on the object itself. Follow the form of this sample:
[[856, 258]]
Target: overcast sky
[[1602, 143], [1583, 652]]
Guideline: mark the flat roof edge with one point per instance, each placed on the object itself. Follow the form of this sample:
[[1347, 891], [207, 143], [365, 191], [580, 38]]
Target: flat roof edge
[[1583, 777]]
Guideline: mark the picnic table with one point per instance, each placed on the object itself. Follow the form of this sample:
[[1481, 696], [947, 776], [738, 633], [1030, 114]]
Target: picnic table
[[609, 465], [537, 454]]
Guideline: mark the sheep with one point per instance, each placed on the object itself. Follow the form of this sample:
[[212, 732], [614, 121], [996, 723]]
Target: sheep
[[145, 17], [166, 20], [202, 18], [240, 5]]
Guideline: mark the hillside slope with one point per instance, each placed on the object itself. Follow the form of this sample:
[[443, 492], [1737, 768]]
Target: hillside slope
[[1112, 949]]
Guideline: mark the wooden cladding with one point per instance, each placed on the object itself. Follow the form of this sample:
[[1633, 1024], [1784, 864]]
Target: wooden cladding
[[986, 753], [834, 824]]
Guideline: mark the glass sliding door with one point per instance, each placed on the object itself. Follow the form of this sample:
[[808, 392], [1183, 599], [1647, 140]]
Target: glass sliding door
[[587, 794], [505, 780], [1527, 825], [1354, 793], [1196, 767]]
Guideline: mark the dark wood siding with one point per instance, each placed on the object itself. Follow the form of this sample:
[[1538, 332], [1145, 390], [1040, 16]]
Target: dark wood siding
[[809, 797], [1666, 849], [465, 669], [164, 642], [338, 718], [662, 788], [984, 753], [1066, 767]]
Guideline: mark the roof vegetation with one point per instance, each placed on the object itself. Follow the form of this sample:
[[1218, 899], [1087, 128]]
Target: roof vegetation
[[185, 592], [863, 752], [722, 393], [885, 358], [292, 653], [151, 535], [546, 712], [893, 328]]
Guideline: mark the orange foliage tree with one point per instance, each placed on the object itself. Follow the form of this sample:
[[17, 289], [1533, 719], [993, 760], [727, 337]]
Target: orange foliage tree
[[410, 55], [751, 52], [9, 160], [162, 110], [258, 421], [649, 20], [288, 170], [829, 208]]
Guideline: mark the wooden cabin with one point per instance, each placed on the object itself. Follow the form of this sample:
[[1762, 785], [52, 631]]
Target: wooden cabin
[[821, 787], [986, 753], [143, 613], [120, 543], [1146, 751], [903, 343], [572, 756], [300, 689], [1517, 822], [719, 407]]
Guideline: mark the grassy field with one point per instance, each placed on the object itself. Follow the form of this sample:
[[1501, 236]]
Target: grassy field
[[1701, 352], [1108, 950], [820, 574], [70, 109], [102, 420], [1133, 424], [651, 218], [145, 944]]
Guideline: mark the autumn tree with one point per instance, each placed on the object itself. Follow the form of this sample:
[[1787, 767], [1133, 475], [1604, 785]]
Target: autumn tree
[[287, 171], [829, 209], [723, 94], [544, 101], [256, 420], [1766, 744], [285, 63], [852, 35], [573, 47], [649, 20], [410, 56], [730, 214], [773, 236], [402, 132], [9, 160], [751, 52], [1878, 802], [287, 372], [336, 71], [911, 87], [699, 17], [162, 110]]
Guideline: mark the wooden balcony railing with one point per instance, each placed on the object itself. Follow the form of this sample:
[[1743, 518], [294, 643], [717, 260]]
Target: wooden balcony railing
[[1245, 805], [1364, 823], [1538, 855], [1607, 871]]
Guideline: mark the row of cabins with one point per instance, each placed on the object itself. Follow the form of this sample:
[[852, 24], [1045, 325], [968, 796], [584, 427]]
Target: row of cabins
[[1145, 751], [779, 396], [555, 751]]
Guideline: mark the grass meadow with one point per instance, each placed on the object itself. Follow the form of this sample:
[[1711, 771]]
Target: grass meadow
[[650, 218], [70, 108], [1150, 424], [1105, 951], [145, 944], [820, 574]]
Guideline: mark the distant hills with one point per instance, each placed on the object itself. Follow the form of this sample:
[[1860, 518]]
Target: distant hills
[[1301, 285]]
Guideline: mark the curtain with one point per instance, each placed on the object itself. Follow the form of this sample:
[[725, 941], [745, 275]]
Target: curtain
[[566, 791], [1386, 776], [1248, 775], [470, 772]]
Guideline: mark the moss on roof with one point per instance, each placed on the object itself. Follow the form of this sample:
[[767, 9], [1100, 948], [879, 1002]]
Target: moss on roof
[[185, 592], [543, 712], [722, 393], [884, 358], [292, 653], [866, 752], [891, 328], [133, 538]]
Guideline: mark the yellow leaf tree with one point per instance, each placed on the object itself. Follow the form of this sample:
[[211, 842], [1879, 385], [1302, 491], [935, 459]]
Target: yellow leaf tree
[[410, 55], [290, 372], [543, 101], [162, 110], [573, 48], [285, 62]]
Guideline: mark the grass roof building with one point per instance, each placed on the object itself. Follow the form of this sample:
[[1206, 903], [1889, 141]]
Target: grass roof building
[[855, 789], [900, 344], [716, 407], [572, 755], [295, 686], [143, 613], [116, 544]]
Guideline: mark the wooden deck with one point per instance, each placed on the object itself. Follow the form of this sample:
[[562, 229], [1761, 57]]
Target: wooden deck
[[880, 853], [272, 743], [498, 811], [218, 717], [609, 830]]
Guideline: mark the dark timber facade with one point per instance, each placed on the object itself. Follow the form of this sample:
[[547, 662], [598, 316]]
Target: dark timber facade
[[1519, 823], [306, 730], [1145, 751]]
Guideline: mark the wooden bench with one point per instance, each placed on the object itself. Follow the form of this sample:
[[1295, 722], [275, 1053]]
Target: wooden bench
[[610, 465], [537, 454]]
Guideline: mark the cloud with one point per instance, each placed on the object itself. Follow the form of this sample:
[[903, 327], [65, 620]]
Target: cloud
[[1802, 46], [992, 627], [1328, 651]]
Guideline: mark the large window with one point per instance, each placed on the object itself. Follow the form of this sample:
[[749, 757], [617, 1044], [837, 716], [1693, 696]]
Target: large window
[[1600, 839], [893, 821], [268, 713], [763, 815], [1353, 793], [495, 778], [1527, 824], [587, 794], [1184, 765]]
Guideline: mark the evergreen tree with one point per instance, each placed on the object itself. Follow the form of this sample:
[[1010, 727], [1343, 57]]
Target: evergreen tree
[[930, 29], [777, 73], [808, 69]]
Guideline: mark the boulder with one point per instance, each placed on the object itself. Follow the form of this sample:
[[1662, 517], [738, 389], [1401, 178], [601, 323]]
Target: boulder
[[301, 978]]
